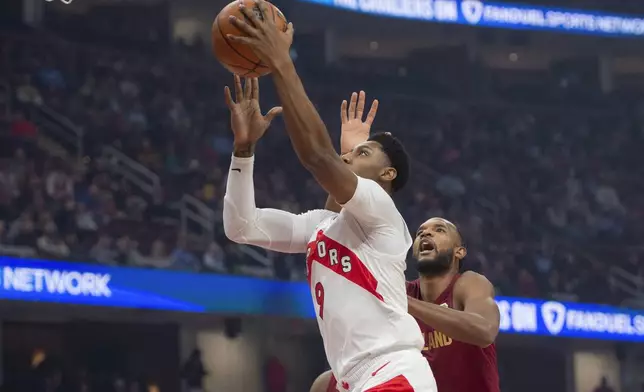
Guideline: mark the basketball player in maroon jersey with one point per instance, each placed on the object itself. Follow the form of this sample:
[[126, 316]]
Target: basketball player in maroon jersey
[[456, 312]]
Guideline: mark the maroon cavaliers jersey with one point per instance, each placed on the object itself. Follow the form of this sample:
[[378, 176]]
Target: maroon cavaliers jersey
[[457, 366]]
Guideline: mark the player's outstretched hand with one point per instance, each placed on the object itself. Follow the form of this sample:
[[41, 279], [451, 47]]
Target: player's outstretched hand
[[271, 45], [246, 119], [354, 129]]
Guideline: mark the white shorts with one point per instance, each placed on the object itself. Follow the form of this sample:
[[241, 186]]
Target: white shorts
[[402, 371]]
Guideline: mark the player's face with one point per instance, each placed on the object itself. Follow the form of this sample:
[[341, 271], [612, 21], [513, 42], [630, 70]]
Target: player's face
[[367, 160], [435, 245]]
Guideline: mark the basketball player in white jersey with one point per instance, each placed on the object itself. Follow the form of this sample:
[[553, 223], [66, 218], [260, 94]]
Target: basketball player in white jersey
[[355, 258]]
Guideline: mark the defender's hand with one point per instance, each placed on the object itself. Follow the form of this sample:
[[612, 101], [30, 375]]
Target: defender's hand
[[354, 130], [246, 119], [271, 45]]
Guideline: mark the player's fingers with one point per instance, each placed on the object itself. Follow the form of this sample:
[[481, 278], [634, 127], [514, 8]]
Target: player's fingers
[[241, 40], [239, 92], [243, 26], [290, 29], [274, 112], [360, 108], [372, 112], [248, 88], [247, 15], [263, 8], [255, 88], [228, 97], [250, 16], [352, 106], [343, 112]]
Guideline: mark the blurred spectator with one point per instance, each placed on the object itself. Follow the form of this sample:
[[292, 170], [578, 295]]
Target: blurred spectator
[[59, 185], [149, 156], [103, 252], [158, 257], [182, 258], [193, 372], [23, 128], [213, 258], [85, 218], [26, 93], [275, 375], [51, 244], [603, 386]]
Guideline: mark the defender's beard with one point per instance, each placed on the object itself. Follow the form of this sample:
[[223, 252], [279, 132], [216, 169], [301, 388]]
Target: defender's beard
[[438, 266]]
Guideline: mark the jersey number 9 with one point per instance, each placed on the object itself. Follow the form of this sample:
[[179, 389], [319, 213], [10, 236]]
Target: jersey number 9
[[319, 298]]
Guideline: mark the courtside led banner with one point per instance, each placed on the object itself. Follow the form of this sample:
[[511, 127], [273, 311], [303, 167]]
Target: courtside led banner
[[499, 15], [87, 284]]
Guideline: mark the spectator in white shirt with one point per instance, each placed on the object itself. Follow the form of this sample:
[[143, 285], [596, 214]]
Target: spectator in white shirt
[[103, 252], [59, 185], [213, 259], [85, 219], [51, 244]]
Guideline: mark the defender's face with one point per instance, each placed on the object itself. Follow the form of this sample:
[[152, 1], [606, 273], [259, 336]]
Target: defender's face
[[434, 246], [367, 160]]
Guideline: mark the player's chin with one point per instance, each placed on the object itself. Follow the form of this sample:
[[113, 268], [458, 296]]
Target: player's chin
[[426, 258]]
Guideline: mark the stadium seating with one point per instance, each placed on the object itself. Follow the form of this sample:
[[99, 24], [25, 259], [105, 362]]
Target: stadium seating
[[537, 191]]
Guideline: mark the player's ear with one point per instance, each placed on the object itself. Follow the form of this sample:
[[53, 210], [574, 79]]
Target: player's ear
[[460, 252], [388, 174]]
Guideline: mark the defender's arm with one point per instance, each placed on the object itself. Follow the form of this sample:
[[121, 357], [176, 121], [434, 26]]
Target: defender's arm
[[477, 323]]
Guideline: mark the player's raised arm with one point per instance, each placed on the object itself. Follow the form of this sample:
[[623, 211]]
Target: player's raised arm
[[354, 130], [243, 221], [306, 129]]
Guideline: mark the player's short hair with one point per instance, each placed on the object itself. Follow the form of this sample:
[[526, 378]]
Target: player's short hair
[[397, 155]]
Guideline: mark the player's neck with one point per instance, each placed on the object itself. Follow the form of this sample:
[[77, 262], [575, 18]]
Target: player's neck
[[432, 286]]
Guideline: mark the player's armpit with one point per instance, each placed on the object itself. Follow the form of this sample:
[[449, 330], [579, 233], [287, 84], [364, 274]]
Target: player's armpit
[[332, 205]]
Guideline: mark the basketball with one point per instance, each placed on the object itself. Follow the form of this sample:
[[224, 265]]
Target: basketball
[[235, 57]]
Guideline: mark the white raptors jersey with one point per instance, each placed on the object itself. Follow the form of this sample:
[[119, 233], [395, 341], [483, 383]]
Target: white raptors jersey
[[355, 267]]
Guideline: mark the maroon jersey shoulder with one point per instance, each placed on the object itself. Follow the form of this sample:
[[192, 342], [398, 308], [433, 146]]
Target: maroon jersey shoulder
[[457, 366], [413, 289]]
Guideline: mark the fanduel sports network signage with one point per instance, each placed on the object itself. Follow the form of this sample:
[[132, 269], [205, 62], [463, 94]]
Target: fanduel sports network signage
[[87, 284], [567, 319], [499, 15]]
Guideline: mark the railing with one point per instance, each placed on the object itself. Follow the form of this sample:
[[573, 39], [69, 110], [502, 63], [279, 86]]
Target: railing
[[194, 213], [629, 284], [200, 221], [134, 172], [197, 218], [61, 129], [262, 256]]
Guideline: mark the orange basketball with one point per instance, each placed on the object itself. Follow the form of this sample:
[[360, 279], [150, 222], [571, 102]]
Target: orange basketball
[[237, 58]]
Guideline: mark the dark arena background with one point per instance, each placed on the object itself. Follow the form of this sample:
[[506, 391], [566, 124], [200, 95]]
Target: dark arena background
[[525, 122]]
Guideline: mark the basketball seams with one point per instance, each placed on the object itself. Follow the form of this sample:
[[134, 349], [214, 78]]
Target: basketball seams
[[231, 46]]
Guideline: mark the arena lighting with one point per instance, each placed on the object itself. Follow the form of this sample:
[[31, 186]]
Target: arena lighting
[[499, 15], [89, 284]]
